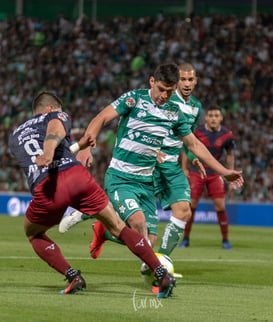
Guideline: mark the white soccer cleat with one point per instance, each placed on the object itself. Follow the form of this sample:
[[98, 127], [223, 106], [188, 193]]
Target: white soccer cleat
[[69, 221], [177, 275]]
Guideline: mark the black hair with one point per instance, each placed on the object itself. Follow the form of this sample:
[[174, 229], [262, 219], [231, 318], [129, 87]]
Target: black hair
[[167, 73], [46, 98], [214, 107]]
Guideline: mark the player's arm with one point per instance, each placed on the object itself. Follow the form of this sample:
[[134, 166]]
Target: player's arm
[[188, 158], [55, 133], [94, 127], [199, 149], [230, 164], [103, 118], [230, 159]]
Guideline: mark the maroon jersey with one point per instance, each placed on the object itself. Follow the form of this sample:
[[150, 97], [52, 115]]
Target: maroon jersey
[[26, 143], [217, 142], [65, 182]]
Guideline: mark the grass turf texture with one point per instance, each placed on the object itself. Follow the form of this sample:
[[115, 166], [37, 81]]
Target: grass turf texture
[[218, 285]]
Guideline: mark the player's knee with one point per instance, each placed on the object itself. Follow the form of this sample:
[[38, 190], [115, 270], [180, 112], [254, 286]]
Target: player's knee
[[138, 223], [185, 216], [183, 213]]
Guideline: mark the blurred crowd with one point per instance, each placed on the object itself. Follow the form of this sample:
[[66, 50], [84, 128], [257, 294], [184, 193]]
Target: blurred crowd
[[89, 64]]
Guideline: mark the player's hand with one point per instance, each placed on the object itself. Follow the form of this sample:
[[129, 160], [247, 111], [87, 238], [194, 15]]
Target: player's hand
[[160, 157], [199, 165], [85, 157], [43, 160], [235, 179], [86, 141]]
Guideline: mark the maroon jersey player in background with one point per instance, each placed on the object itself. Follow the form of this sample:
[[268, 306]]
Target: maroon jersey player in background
[[220, 142]]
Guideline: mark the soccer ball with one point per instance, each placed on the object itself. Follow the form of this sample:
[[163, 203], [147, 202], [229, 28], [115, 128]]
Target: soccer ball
[[166, 262]]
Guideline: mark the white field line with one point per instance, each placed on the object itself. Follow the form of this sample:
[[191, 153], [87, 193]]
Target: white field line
[[132, 259]]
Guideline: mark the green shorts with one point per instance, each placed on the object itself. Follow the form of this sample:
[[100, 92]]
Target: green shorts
[[128, 196], [171, 185]]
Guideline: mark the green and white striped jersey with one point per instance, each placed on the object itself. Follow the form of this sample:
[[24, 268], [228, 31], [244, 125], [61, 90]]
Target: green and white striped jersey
[[171, 144], [143, 127]]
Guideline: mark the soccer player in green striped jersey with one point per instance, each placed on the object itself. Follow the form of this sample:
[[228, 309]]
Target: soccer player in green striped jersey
[[171, 185], [147, 118]]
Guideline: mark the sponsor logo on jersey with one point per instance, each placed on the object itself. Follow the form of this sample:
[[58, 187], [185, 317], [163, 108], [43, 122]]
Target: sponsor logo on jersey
[[131, 203], [130, 102], [171, 115], [62, 116], [141, 114], [149, 140], [132, 134]]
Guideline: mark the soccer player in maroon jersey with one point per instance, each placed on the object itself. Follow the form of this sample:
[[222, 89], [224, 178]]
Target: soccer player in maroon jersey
[[57, 180], [220, 142]]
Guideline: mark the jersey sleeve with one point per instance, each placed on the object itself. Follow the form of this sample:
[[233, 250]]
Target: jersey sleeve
[[125, 102], [182, 127], [63, 117], [230, 142]]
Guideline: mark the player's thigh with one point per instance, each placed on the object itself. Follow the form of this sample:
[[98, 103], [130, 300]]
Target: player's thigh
[[124, 196], [158, 180], [85, 194], [215, 186], [72, 187], [175, 194], [46, 208], [196, 185], [129, 198], [174, 186]]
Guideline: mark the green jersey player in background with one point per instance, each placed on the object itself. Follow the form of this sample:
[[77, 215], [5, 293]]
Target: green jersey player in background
[[171, 185]]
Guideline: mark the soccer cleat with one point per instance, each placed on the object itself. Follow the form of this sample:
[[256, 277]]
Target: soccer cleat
[[155, 287], [69, 221], [185, 243], [166, 285], [95, 247], [76, 285], [177, 275], [226, 245]]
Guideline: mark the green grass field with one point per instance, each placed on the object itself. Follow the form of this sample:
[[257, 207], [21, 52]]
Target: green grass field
[[218, 285]]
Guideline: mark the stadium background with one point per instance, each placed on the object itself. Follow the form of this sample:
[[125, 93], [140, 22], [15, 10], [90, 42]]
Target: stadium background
[[246, 95], [50, 9]]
